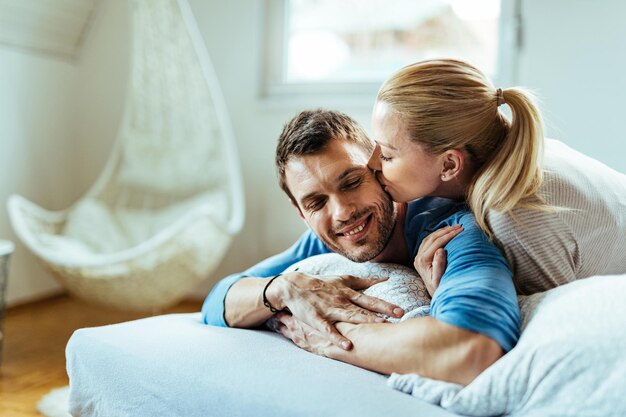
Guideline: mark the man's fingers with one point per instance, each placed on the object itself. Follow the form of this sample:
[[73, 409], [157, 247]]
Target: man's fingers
[[327, 328], [375, 304], [355, 314], [284, 317], [357, 283], [370, 304], [284, 330]]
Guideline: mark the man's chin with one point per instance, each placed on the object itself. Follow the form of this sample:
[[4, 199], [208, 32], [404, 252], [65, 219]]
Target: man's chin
[[361, 255]]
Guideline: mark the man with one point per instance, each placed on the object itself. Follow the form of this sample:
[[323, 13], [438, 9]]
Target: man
[[322, 164]]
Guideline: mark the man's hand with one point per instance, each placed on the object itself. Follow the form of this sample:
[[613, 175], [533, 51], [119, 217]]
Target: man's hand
[[319, 303], [303, 335], [430, 261]]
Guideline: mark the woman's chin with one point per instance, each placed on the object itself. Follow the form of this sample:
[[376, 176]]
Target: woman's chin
[[398, 198]]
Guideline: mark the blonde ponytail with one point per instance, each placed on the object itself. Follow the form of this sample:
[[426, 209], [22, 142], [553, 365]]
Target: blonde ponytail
[[449, 104], [512, 174]]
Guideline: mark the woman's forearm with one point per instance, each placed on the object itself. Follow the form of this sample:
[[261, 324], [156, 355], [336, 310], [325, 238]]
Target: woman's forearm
[[425, 346]]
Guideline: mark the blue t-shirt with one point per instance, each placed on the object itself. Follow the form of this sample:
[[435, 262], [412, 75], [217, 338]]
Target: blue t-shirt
[[476, 291]]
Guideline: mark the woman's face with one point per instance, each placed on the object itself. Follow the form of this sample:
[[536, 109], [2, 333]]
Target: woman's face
[[405, 169]]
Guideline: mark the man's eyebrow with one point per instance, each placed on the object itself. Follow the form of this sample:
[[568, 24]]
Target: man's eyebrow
[[349, 171], [386, 145], [340, 178], [309, 196]]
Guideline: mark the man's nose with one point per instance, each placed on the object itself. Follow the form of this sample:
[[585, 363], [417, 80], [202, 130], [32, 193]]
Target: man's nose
[[374, 161], [343, 208]]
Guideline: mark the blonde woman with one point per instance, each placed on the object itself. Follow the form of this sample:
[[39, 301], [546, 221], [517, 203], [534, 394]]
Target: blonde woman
[[439, 131]]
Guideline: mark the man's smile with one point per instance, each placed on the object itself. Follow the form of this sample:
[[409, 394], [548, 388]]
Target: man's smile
[[357, 230]]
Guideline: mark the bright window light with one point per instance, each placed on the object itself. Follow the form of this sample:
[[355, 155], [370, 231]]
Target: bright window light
[[367, 40]]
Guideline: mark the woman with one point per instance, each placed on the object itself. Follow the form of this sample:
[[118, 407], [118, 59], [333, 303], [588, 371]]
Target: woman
[[439, 132]]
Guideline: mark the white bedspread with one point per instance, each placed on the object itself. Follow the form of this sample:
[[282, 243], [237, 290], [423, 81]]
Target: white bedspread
[[570, 359], [174, 365]]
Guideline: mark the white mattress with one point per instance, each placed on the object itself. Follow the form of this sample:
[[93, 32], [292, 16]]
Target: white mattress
[[174, 365]]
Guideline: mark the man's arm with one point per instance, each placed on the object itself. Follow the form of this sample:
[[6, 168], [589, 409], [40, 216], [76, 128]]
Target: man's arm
[[221, 303], [326, 301], [215, 305], [237, 300]]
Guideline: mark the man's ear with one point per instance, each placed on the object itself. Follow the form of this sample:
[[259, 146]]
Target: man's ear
[[297, 207], [453, 163]]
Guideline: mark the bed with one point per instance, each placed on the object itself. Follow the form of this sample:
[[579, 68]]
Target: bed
[[570, 361], [174, 365]]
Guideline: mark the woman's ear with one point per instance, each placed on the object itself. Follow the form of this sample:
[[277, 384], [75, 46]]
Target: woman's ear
[[453, 163]]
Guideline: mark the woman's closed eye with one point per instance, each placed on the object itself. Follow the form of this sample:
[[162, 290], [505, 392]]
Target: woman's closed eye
[[384, 158]]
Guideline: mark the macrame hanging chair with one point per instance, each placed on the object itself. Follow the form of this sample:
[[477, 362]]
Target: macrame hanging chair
[[162, 213]]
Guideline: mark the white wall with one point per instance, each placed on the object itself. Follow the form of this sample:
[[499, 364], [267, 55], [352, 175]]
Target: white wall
[[233, 35], [36, 160], [575, 66], [99, 89], [574, 55]]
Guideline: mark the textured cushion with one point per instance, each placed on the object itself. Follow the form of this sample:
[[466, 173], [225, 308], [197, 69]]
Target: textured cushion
[[570, 359], [404, 287]]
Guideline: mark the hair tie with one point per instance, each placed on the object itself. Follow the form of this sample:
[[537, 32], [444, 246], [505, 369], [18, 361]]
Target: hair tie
[[500, 97]]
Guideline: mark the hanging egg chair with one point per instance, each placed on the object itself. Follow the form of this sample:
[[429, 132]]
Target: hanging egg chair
[[162, 214]]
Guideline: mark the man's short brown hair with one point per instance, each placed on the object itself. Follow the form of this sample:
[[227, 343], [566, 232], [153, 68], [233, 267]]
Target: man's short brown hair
[[309, 132]]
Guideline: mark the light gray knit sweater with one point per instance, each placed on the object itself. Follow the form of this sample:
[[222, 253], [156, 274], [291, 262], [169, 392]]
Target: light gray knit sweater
[[586, 237]]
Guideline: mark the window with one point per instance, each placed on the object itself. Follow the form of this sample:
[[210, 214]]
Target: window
[[351, 46]]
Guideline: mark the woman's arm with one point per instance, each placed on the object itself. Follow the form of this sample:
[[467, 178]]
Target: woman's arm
[[423, 345]]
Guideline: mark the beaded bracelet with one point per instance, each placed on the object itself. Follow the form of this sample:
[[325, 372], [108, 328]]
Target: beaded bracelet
[[265, 300]]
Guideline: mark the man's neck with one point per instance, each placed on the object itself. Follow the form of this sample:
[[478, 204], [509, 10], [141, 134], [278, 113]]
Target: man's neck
[[396, 250]]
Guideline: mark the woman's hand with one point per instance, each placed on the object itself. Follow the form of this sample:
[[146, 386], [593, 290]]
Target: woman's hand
[[430, 261]]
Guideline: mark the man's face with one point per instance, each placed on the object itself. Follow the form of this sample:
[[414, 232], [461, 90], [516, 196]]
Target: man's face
[[341, 201]]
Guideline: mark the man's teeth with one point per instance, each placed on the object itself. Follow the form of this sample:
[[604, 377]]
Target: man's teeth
[[356, 230]]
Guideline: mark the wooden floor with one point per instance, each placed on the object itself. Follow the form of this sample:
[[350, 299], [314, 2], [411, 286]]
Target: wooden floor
[[34, 347]]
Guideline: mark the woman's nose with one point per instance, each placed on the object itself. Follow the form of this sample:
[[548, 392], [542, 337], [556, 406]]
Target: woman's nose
[[374, 161]]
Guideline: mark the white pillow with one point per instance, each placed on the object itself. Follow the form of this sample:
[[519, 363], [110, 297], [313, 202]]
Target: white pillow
[[570, 359], [404, 287]]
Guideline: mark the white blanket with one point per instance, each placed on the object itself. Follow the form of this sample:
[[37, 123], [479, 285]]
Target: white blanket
[[569, 361]]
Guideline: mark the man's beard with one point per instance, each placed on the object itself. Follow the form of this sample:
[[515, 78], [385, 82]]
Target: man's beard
[[385, 226]]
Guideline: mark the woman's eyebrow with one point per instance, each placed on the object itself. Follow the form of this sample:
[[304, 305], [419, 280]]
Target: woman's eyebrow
[[383, 144]]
